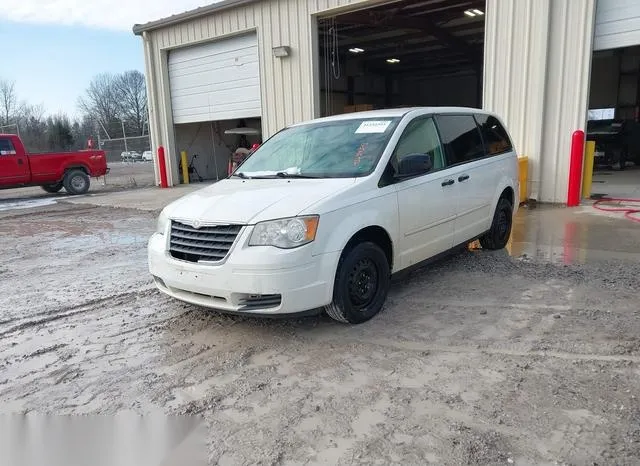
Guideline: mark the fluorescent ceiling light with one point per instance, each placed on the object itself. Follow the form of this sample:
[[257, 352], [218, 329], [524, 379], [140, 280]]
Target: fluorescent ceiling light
[[469, 13], [356, 50], [478, 12], [393, 60]]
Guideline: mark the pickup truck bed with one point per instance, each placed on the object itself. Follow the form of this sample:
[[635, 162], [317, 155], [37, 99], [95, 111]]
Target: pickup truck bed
[[53, 170]]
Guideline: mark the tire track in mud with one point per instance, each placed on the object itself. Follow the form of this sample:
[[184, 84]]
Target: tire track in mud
[[87, 306], [425, 348]]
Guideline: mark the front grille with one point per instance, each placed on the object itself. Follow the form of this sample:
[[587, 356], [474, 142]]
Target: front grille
[[260, 301], [209, 244]]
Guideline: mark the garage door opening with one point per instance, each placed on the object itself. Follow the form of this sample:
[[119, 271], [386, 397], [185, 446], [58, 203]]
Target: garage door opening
[[211, 145], [215, 90], [402, 54], [614, 122]]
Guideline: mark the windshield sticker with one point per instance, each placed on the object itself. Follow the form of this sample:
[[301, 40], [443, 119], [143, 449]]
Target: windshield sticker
[[373, 127]]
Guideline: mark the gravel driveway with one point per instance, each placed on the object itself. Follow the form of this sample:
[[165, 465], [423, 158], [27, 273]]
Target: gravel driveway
[[477, 359]]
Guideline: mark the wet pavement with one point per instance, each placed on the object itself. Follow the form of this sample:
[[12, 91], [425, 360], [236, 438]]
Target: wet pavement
[[482, 358]]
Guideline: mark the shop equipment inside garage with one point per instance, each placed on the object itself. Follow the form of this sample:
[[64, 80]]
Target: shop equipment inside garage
[[402, 54], [614, 122]]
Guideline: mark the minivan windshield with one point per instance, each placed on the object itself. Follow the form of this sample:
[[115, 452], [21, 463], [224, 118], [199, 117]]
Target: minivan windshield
[[331, 149]]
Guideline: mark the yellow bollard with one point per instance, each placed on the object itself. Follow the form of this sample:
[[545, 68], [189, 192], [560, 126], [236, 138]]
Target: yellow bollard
[[587, 173], [523, 174], [185, 167]]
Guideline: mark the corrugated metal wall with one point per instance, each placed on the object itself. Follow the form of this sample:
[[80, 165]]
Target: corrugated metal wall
[[537, 66], [287, 84]]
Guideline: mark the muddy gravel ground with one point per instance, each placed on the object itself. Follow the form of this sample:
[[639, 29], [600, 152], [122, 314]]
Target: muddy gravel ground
[[477, 359]]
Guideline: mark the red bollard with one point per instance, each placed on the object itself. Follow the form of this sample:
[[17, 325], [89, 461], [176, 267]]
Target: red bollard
[[162, 166], [575, 169]]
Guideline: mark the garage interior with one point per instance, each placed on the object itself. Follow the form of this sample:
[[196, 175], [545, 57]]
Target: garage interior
[[402, 54], [215, 89], [613, 122]]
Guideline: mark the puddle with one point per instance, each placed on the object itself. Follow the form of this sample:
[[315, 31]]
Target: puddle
[[26, 204]]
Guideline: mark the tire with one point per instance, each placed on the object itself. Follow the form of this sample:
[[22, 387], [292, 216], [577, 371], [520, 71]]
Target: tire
[[498, 236], [76, 182], [365, 265], [52, 188]]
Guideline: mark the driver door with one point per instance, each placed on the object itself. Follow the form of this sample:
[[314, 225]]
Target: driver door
[[426, 203], [14, 168]]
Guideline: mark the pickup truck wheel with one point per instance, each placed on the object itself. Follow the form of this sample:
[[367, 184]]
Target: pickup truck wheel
[[76, 182], [361, 285], [498, 236], [52, 188]]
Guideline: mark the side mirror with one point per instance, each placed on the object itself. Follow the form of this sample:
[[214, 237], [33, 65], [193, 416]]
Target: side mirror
[[414, 165]]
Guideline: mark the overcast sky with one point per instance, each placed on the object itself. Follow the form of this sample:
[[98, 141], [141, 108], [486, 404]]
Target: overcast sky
[[52, 48]]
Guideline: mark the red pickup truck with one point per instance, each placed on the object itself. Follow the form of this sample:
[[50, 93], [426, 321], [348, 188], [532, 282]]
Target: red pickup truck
[[52, 170]]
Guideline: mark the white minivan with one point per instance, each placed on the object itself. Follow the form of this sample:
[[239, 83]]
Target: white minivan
[[324, 212]]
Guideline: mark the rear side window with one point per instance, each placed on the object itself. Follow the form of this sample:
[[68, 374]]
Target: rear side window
[[496, 139], [6, 147], [461, 138]]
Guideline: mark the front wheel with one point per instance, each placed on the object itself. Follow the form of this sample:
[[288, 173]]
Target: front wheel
[[498, 236], [361, 285], [76, 182], [52, 188]]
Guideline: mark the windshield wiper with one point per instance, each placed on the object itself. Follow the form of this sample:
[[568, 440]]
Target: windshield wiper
[[293, 175], [241, 175]]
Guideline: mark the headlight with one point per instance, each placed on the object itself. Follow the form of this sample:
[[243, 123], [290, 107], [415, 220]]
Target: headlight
[[163, 220], [285, 233]]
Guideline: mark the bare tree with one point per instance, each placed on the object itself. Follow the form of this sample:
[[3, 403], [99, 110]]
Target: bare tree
[[132, 95], [83, 129], [33, 127], [101, 102], [8, 102]]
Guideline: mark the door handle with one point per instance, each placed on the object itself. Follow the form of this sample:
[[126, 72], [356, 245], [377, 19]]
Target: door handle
[[19, 161], [463, 178], [447, 183]]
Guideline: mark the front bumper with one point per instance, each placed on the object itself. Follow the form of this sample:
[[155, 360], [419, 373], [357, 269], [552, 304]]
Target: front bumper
[[252, 280]]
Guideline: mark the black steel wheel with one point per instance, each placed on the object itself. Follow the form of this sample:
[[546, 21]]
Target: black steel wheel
[[361, 285], [498, 236]]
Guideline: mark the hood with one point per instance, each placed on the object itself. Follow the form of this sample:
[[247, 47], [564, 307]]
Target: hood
[[251, 201]]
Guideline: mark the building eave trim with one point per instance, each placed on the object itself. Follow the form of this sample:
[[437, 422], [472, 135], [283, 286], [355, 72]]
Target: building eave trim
[[138, 29]]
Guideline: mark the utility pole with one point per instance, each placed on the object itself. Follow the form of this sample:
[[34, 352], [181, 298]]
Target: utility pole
[[125, 137]]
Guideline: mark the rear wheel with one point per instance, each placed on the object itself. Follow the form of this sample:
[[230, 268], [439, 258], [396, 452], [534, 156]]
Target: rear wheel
[[361, 284], [52, 188], [498, 236], [76, 182]]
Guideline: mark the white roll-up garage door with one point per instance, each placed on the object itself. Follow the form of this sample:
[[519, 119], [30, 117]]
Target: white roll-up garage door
[[215, 81], [617, 24]]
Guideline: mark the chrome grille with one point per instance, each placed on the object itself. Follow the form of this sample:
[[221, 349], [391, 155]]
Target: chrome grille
[[210, 243]]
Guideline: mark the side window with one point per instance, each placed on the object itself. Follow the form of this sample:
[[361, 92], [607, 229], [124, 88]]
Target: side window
[[461, 138], [496, 139], [6, 147], [420, 137]]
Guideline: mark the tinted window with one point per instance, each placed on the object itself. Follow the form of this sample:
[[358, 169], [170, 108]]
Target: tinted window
[[496, 139], [461, 138], [420, 137], [6, 147]]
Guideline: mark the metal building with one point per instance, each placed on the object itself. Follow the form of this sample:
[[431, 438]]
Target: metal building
[[269, 63]]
